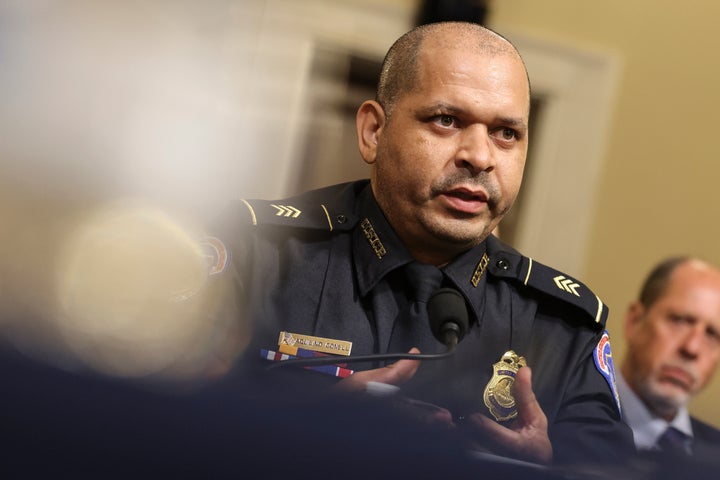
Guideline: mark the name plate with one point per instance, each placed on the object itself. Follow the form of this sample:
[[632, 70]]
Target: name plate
[[317, 344]]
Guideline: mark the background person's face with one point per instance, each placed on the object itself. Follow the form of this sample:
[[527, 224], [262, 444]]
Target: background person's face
[[450, 159], [674, 345]]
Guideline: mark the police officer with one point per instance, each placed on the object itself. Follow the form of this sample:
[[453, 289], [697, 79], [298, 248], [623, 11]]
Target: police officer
[[332, 271]]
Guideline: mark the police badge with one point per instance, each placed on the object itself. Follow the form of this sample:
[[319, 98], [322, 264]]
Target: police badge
[[498, 396]]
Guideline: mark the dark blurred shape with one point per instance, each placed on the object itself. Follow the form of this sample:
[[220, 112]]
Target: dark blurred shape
[[363, 73], [432, 11], [658, 465], [90, 426]]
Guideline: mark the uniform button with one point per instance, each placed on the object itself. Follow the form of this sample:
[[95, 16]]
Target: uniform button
[[503, 264], [341, 218]]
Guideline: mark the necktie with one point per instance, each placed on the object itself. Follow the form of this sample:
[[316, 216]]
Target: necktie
[[412, 328], [424, 280], [674, 441]]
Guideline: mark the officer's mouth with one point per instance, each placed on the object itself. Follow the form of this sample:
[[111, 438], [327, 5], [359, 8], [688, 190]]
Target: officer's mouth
[[465, 200]]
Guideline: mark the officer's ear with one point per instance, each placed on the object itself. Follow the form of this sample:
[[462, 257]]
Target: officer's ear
[[369, 122]]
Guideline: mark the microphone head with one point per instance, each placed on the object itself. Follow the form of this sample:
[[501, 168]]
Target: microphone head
[[448, 315]]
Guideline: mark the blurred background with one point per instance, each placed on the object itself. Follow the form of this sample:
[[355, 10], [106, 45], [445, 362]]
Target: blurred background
[[115, 115]]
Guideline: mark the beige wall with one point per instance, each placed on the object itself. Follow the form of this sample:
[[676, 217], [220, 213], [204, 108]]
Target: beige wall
[[658, 182]]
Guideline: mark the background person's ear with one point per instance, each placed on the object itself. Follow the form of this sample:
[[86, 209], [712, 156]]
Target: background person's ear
[[633, 318]]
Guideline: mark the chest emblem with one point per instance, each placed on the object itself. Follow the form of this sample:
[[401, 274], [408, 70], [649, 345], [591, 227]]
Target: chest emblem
[[498, 394]]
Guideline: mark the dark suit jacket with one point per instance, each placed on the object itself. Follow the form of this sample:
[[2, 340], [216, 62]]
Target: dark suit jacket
[[706, 444], [704, 464]]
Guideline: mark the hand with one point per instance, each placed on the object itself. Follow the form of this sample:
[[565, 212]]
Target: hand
[[527, 436], [395, 374]]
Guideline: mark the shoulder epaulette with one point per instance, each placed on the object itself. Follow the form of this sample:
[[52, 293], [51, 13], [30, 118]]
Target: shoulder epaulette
[[510, 264], [326, 209]]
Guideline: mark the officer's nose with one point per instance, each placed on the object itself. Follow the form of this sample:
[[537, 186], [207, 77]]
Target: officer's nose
[[475, 150]]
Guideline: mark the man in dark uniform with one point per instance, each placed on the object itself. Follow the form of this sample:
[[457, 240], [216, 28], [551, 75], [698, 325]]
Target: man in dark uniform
[[332, 271], [673, 337]]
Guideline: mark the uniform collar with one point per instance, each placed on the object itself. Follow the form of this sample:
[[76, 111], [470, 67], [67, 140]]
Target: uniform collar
[[377, 250], [468, 273]]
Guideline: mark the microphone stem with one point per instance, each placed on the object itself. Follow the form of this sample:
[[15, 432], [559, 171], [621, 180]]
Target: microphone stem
[[303, 362]]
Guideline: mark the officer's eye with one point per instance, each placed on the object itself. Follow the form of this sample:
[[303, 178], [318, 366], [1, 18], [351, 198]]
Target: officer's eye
[[445, 120], [509, 134]]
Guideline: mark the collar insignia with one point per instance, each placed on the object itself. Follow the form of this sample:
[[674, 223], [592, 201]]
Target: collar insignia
[[373, 238], [480, 269]]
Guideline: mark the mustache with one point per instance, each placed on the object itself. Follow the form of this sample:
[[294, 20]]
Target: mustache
[[461, 177]]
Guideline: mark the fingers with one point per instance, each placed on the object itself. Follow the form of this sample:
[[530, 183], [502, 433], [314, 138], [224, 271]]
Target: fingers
[[425, 412], [493, 435], [527, 435], [395, 374], [400, 371], [529, 410]]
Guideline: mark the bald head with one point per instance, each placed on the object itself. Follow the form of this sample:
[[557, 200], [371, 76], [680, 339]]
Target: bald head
[[659, 279], [400, 68]]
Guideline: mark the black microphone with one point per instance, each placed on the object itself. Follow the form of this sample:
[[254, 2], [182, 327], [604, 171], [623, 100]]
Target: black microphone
[[448, 317]]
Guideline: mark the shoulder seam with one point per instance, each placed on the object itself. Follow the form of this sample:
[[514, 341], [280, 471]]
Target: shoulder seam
[[252, 211]]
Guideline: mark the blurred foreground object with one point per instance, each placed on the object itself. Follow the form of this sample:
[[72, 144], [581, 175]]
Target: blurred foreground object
[[130, 296], [125, 284]]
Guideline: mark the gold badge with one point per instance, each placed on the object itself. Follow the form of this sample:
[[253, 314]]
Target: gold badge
[[498, 394], [317, 344]]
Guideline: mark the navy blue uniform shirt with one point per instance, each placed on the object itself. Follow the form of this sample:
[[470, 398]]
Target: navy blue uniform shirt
[[327, 264]]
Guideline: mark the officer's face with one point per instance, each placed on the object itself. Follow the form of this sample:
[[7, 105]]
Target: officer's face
[[449, 160], [674, 345]]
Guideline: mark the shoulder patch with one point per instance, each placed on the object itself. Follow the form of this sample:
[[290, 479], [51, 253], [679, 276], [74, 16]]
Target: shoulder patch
[[322, 209], [551, 282], [217, 256], [288, 213], [602, 355]]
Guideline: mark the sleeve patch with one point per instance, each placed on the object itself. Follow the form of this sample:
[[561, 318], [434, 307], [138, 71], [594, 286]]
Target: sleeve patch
[[602, 355]]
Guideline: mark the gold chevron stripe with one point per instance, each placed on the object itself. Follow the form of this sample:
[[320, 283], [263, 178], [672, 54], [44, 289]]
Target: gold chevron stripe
[[600, 309], [527, 277], [327, 215]]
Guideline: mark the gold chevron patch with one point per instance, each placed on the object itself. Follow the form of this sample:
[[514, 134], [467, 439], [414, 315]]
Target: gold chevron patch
[[286, 211], [567, 284]]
